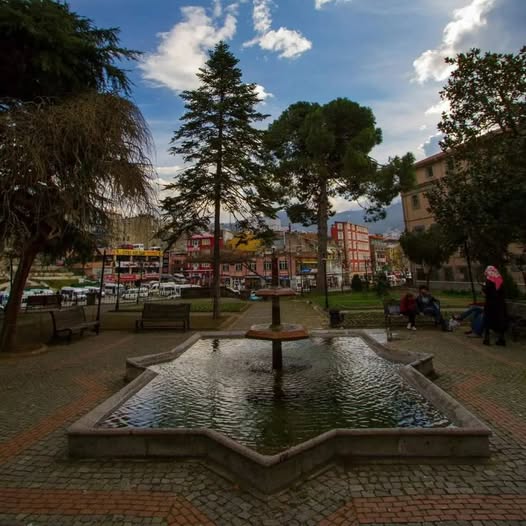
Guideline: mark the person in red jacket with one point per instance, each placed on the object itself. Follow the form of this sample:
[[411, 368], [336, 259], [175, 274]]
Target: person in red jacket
[[408, 308]]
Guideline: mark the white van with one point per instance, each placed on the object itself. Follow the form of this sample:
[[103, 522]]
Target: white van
[[170, 289], [111, 288]]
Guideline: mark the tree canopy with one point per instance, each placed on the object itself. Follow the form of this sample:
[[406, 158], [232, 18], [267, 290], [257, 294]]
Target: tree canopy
[[481, 200], [72, 149], [323, 151], [48, 51], [224, 157], [429, 248]]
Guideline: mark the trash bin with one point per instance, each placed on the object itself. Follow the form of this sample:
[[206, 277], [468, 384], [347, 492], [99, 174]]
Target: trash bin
[[90, 298], [335, 317]]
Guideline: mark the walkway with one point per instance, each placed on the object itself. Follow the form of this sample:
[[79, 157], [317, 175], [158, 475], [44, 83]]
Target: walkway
[[41, 395]]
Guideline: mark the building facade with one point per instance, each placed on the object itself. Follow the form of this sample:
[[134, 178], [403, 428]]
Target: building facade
[[353, 241], [455, 273]]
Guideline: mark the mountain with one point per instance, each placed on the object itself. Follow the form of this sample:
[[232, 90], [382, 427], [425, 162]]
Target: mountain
[[394, 220]]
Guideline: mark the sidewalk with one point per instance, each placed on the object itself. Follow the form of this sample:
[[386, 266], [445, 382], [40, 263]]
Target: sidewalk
[[41, 396]]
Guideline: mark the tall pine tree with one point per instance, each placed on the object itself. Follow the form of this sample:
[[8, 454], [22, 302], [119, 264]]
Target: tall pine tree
[[222, 150]]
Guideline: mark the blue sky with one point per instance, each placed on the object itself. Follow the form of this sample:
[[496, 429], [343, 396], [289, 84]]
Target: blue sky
[[386, 54]]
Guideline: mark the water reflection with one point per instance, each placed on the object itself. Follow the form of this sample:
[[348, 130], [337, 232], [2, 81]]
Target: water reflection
[[229, 385]]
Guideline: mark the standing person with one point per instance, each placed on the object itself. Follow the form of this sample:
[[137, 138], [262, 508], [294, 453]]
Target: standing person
[[495, 317], [408, 308], [429, 305]]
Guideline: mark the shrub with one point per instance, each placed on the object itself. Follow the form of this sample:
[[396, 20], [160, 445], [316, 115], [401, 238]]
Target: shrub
[[356, 283]]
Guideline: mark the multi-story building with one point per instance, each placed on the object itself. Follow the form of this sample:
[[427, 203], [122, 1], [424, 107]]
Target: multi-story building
[[378, 253], [455, 273], [353, 241]]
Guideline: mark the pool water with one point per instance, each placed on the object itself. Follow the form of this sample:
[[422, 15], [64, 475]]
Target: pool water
[[228, 385]]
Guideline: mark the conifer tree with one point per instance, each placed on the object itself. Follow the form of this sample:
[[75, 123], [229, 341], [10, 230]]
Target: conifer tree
[[222, 150]]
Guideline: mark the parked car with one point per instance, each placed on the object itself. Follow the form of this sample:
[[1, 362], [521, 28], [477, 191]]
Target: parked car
[[73, 293], [131, 294]]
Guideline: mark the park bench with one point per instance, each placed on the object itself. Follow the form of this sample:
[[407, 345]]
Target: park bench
[[44, 301], [392, 314], [70, 321], [517, 318], [164, 315]]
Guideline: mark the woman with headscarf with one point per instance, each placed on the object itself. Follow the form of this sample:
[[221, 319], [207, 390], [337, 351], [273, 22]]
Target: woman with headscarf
[[495, 318]]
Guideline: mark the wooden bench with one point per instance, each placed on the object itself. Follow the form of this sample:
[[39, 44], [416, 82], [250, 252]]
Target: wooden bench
[[164, 315], [44, 301], [392, 313], [70, 321], [517, 318]]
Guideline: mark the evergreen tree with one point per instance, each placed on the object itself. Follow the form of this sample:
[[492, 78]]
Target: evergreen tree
[[322, 152], [223, 152]]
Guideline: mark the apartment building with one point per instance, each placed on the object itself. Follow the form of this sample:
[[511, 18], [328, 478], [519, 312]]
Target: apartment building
[[353, 241], [455, 273]]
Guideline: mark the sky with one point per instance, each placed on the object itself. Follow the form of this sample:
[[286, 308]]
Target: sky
[[385, 54]]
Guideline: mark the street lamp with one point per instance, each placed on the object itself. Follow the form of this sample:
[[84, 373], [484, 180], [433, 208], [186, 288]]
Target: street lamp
[[326, 287]]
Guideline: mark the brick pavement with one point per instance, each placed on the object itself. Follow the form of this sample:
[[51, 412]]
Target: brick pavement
[[41, 395]]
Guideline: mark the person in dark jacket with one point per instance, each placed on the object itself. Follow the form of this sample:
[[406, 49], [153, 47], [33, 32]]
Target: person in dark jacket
[[495, 316], [430, 306], [408, 308]]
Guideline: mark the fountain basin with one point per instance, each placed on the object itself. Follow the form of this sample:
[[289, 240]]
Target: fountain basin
[[468, 438], [284, 332]]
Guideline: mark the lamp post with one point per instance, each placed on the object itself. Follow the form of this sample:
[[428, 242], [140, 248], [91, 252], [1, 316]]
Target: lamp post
[[326, 286]]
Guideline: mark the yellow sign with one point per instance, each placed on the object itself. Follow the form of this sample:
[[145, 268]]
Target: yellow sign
[[133, 252]]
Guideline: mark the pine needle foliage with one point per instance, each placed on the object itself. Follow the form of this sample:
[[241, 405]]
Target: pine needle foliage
[[226, 170]]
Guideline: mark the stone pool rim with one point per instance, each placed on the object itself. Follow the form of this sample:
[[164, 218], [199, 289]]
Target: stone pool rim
[[468, 441]]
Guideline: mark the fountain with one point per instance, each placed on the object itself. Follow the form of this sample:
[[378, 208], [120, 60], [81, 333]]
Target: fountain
[[339, 396], [276, 332]]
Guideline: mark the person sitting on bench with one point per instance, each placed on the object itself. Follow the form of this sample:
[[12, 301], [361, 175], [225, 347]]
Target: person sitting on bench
[[408, 308], [429, 305]]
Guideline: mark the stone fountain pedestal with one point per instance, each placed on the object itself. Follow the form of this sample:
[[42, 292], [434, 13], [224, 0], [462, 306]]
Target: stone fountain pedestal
[[277, 332]]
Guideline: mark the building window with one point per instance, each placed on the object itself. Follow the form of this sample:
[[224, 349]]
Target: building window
[[429, 171], [283, 265], [239, 266], [205, 242], [268, 265], [415, 201], [252, 266], [226, 267], [195, 242], [339, 226]]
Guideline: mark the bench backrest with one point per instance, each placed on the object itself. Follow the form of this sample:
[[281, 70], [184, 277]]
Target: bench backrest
[[516, 309], [44, 299], [62, 319], [391, 308], [166, 311]]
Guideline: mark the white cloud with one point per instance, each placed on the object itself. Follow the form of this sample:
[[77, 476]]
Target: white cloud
[[430, 64], [288, 43], [438, 109], [262, 93], [166, 173], [320, 3], [183, 50]]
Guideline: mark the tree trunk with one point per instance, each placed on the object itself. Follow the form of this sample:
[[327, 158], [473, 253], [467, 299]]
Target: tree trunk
[[428, 276], [8, 333], [216, 287], [323, 218]]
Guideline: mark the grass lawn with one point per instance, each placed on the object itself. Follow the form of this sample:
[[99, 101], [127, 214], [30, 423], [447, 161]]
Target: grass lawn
[[366, 300], [198, 305]]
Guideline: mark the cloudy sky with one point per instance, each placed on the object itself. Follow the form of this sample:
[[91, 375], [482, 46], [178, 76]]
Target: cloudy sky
[[386, 54]]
